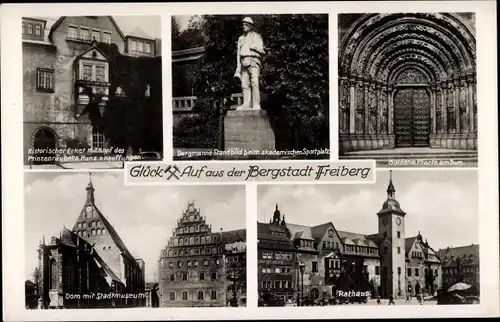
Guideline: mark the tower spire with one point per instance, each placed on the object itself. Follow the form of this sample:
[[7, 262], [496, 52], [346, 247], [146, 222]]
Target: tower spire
[[391, 191], [90, 191]]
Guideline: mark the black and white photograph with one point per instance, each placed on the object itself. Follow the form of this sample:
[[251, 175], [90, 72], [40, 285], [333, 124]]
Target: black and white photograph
[[91, 242], [407, 89], [250, 87], [92, 91], [412, 238]]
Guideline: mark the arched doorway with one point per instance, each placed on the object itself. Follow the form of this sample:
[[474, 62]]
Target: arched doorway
[[44, 144], [407, 80], [417, 288]]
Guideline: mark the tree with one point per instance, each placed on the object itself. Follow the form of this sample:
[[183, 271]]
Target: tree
[[429, 279]]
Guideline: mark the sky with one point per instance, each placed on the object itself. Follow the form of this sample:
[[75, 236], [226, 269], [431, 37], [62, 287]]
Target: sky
[[183, 21], [441, 204], [143, 216]]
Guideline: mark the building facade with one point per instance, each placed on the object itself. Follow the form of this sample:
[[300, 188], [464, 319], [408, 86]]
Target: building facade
[[460, 264], [407, 80], [63, 60], [88, 260], [386, 263], [193, 267]]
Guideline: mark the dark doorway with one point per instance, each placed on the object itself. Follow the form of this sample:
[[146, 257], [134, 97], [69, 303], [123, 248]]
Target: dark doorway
[[44, 144], [412, 117]]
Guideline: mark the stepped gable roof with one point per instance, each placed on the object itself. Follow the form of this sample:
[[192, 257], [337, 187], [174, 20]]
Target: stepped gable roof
[[234, 236]]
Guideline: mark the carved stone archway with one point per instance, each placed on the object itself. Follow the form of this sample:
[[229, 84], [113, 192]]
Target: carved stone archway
[[432, 56], [44, 141]]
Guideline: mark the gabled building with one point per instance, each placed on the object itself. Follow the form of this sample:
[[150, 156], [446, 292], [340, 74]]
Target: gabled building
[[197, 264], [385, 263], [460, 264], [88, 262], [67, 63]]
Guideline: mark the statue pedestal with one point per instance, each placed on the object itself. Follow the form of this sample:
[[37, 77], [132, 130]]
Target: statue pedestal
[[247, 133]]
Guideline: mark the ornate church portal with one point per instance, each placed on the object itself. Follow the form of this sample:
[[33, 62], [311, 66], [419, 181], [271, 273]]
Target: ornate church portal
[[407, 80]]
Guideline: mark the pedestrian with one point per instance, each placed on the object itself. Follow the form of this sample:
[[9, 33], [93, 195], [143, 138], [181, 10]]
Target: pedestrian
[[407, 298], [391, 300]]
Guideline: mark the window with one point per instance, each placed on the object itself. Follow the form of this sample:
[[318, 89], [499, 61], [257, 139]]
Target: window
[[314, 267], [277, 270], [38, 30], [72, 32], [184, 296], [195, 263], [217, 262], [100, 73], [409, 272], [30, 29], [53, 275], [24, 28], [179, 264], [276, 284], [104, 231], [97, 139], [133, 45], [170, 264], [140, 45], [202, 276], [377, 270], [214, 276], [205, 262], [416, 271], [45, 80], [399, 270], [385, 250], [148, 48], [93, 232], [184, 276], [172, 277], [399, 234], [84, 34], [79, 225], [86, 72], [200, 295], [189, 263], [214, 295], [96, 35], [106, 37], [172, 296], [399, 250]]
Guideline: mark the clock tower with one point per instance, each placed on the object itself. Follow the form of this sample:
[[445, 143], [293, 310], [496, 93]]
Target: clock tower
[[391, 234]]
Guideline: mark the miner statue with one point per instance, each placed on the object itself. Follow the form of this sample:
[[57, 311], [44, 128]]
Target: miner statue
[[250, 50]]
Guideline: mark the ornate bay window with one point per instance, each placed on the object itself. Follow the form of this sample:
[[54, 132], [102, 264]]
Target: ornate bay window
[[91, 74]]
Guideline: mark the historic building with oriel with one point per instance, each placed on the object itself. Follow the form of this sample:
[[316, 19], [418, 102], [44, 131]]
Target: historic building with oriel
[[407, 80], [89, 265], [68, 61], [200, 267], [315, 262]]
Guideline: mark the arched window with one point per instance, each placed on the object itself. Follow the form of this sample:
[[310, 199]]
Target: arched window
[[209, 239], [185, 229], [98, 231], [197, 228], [93, 232], [191, 241], [191, 218], [169, 253], [53, 275], [214, 250], [202, 239], [104, 231], [172, 296], [79, 225], [192, 251], [208, 250], [186, 241], [84, 233], [203, 251], [197, 240], [98, 223], [181, 253], [197, 251], [191, 229], [94, 224], [180, 241], [176, 253], [200, 295], [84, 225]]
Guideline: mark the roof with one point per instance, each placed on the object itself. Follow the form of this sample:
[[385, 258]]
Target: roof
[[139, 33], [150, 285], [319, 231], [409, 244], [58, 22], [356, 239], [300, 231], [234, 236], [468, 255]]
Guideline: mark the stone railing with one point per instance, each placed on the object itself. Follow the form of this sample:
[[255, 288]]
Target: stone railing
[[186, 103]]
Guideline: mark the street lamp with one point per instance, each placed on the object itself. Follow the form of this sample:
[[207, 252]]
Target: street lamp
[[302, 267]]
